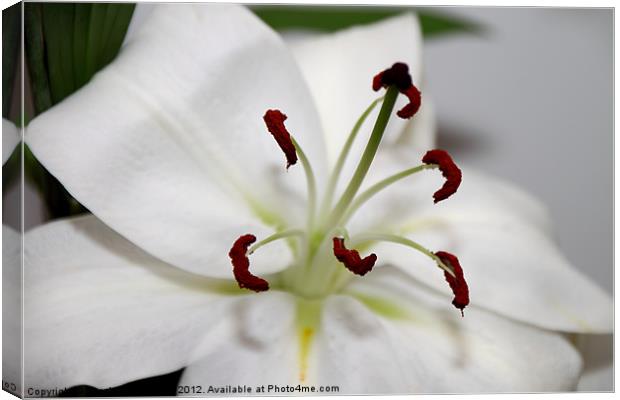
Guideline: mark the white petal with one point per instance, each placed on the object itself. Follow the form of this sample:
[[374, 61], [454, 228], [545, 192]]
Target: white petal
[[169, 139], [511, 264], [340, 67], [423, 348], [257, 345], [99, 311], [10, 139], [11, 310]]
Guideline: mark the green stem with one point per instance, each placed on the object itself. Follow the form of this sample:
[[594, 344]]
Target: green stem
[[368, 156], [274, 237], [379, 186], [385, 237], [311, 182], [344, 153]]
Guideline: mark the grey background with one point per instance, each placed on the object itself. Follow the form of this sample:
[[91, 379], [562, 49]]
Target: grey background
[[530, 100]]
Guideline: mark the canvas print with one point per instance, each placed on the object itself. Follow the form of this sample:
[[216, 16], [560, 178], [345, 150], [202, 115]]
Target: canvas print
[[212, 199]]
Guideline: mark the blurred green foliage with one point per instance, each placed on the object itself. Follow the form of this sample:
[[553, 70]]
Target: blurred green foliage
[[332, 18]]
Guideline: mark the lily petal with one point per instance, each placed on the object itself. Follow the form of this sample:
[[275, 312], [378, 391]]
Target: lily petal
[[400, 325], [100, 311], [512, 266], [339, 69], [255, 346], [170, 136], [11, 310], [10, 139]]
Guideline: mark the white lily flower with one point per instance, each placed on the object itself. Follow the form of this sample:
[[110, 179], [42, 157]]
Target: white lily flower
[[167, 148]]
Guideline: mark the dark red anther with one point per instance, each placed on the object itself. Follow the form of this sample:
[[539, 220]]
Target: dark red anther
[[398, 75], [457, 283], [241, 265], [449, 170], [274, 119], [351, 258]]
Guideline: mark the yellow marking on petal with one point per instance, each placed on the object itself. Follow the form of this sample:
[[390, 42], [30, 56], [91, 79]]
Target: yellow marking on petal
[[573, 318], [308, 320], [305, 340]]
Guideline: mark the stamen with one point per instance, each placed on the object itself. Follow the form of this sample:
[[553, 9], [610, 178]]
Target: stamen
[[241, 265], [398, 75], [276, 236], [386, 237], [449, 170], [274, 119], [457, 282], [379, 186], [310, 181], [351, 258]]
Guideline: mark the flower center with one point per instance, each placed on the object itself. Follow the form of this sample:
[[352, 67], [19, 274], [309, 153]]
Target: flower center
[[323, 247]]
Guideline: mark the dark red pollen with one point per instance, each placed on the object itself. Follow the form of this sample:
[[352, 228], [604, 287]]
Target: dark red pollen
[[457, 283], [351, 258], [448, 169], [274, 119], [398, 75], [241, 265]]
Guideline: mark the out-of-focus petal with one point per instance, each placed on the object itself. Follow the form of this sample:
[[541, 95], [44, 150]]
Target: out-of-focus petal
[[256, 345], [339, 69]]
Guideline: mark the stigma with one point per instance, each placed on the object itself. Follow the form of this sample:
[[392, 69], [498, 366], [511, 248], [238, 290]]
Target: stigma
[[398, 75]]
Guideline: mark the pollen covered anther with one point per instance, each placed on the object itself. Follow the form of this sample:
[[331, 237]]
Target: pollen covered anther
[[274, 119], [241, 265], [351, 258], [449, 170], [457, 282], [398, 76]]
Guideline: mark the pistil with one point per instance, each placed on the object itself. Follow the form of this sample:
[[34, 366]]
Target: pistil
[[368, 156], [316, 272], [344, 153]]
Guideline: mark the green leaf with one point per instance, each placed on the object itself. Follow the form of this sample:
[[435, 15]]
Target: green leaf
[[11, 22], [331, 18], [67, 43], [35, 57]]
